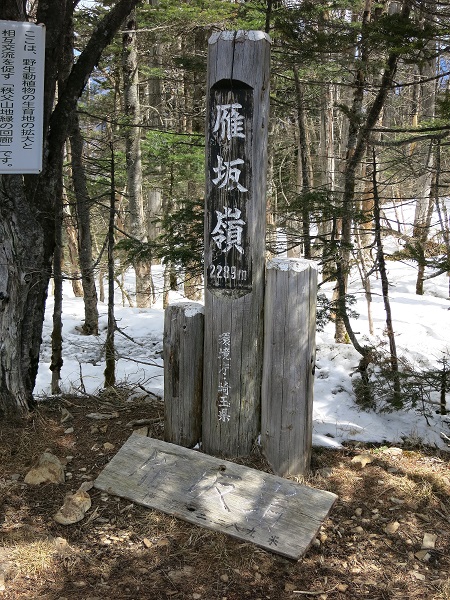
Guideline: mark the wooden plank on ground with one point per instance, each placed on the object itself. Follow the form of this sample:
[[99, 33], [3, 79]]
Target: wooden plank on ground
[[275, 513]]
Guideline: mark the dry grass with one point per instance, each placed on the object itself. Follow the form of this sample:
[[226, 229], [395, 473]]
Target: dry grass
[[33, 559], [123, 551]]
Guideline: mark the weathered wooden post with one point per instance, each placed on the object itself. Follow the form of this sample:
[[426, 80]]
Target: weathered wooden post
[[183, 373], [236, 159], [288, 371]]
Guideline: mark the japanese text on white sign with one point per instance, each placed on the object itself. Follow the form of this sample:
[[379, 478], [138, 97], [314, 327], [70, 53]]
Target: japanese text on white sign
[[22, 57]]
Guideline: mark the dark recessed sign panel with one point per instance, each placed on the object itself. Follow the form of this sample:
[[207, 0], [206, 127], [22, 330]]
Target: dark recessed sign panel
[[229, 187]]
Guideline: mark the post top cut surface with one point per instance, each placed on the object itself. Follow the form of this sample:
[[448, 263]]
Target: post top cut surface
[[239, 36], [191, 308], [275, 513], [291, 264]]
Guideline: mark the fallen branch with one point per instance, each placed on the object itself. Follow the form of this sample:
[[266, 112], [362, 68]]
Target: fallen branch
[[320, 593], [142, 422]]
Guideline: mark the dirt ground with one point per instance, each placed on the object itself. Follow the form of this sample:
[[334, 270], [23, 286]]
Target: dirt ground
[[391, 503]]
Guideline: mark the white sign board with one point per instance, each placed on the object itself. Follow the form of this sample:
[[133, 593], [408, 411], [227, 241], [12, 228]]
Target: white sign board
[[22, 58]]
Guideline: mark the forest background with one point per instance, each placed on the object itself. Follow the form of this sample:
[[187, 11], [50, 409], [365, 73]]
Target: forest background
[[360, 116]]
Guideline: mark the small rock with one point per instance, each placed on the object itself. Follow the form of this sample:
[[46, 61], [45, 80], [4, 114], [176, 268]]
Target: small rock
[[362, 459], [196, 596], [392, 527], [48, 470], [141, 431], [396, 500], [163, 542], [69, 430], [417, 575], [359, 530], [65, 415], [429, 541], [102, 416], [74, 508], [358, 512], [342, 587], [86, 486], [147, 543], [289, 587], [423, 555], [108, 446], [224, 577]]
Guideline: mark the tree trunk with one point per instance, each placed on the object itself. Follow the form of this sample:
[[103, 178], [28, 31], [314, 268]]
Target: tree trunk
[[90, 326], [396, 399], [110, 355], [133, 157], [27, 211], [305, 163], [72, 247], [57, 359], [327, 168]]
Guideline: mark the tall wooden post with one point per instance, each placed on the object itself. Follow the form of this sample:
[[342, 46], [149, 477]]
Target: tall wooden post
[[235, 214], [289, 358], [183, 372]]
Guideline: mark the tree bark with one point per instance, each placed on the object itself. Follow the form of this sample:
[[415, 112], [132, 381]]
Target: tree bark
[[305, 162], [27, 209], [110, 355], [396, 399], [90, 326], [57, 358], [72, 247], [132, 108]]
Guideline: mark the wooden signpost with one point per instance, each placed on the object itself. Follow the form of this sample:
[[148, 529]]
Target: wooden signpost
[[235, 214], [289, 359], [277, 514], [274, 513], [183, 367]]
